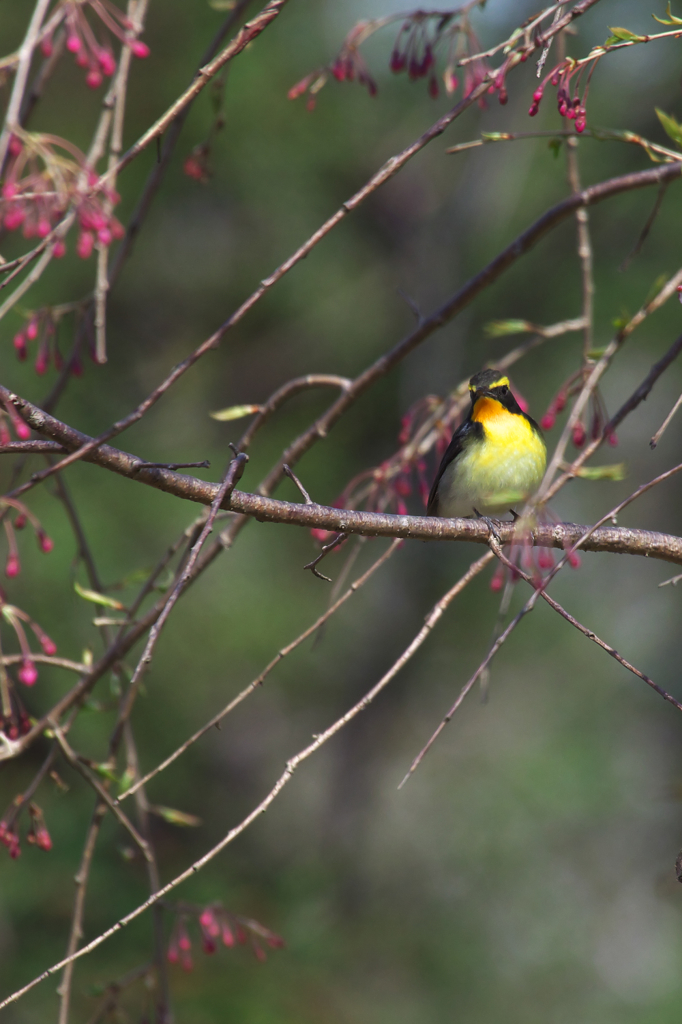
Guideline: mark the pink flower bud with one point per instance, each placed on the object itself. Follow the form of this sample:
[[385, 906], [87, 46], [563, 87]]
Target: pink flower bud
[[339, 70], [173, 954], [104, 236], [14, 218], [12, 566], [32, 329], [497, 581], [560, 402], [184, 943], [612, 438], [44, 542], [503, 97], [545, 559], [434, 90], [533, 109], [20, 521], [49, 646], [82, 60], [574, 560], [208, 945], [20, 345], [73, 43], [28, 673], [226, 934], [23, 431], [43, 838], [93, 79], [15, 145], [547, 421], [116, 228], [579, 435], [42, 361], [139, 49], [84, 245], [679, 287], [59, 249], [397, 62], [106, 62], [9, 190], [46, 47], [43, 229], [187, 962], [537, 95]]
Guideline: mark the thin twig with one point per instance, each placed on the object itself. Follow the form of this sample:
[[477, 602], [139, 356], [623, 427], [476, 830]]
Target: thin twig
[[255, 814], [663, 427], [232, 476], [258, 681]]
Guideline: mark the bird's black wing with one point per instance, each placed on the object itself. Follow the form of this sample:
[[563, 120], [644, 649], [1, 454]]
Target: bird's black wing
[[465, 433]]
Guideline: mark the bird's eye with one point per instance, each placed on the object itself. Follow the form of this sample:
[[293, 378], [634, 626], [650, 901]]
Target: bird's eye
[[503, 389]]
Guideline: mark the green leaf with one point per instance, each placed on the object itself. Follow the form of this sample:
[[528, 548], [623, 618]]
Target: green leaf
[[105, 771], [234, 412], [623, 35], [670, 20], [622, 320], [222, 5], [656, 288], [126, 780], [615, 472], [499, 328], [174, 817], [555, 146], [670, 127], [92, 595]]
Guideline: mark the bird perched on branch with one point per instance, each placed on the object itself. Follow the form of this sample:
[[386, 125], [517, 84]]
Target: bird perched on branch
[[496, 458]]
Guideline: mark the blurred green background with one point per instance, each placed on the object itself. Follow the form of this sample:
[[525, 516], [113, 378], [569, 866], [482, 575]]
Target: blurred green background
[[526, 872]]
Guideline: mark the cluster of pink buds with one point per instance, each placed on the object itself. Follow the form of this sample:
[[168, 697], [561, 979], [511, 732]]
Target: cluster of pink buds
[[41, 183], [217, 924], [9, 837], [594, 420], [41, 328], [421, 35], [37, 834], [15, 725], [16, 617], [414, 50], [94, 56], [22, 517], [569, 101], [10, 417]]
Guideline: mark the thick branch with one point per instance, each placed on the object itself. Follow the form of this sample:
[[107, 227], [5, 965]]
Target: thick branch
[[618, 540]]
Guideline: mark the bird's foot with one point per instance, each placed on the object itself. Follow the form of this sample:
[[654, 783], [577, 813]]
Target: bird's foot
[[491, 526]]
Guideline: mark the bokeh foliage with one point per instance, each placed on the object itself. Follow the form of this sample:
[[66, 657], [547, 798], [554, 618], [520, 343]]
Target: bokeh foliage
[[526, 872]]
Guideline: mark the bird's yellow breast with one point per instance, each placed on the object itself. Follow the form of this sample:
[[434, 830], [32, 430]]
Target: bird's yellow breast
[[507, 434], [496, 471]]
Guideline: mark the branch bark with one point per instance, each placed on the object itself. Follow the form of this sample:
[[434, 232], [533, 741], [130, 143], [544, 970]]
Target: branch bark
[[617, 540]]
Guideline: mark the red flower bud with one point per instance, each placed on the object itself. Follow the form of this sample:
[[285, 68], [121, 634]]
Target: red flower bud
[[28, 673], [579, 435], [12, 566], [139, 49]]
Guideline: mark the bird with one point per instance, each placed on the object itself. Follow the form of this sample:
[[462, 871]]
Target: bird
[[496, 457]]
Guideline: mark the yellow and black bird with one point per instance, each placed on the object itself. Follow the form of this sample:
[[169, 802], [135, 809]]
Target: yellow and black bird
[[496, 458]]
